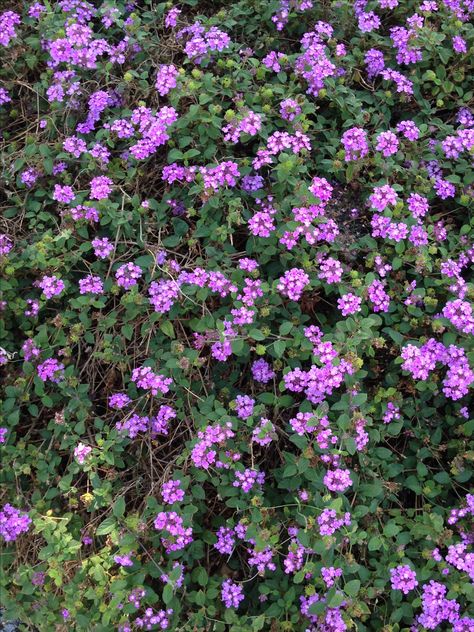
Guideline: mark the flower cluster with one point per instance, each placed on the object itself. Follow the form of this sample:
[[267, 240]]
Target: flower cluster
[[236, 259], [13, 523], [231, 594], [403, 578], [177, 536]]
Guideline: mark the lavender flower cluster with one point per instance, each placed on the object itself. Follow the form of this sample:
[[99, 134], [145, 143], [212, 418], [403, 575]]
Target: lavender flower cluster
[[236, 298]]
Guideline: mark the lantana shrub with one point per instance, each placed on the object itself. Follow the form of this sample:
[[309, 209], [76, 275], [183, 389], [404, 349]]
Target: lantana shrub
[[236, 355]]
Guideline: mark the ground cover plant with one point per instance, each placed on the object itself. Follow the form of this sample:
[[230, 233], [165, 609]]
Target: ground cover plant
[[236, 315]]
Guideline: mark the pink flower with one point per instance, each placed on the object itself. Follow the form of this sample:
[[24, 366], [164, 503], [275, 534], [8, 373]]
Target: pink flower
[[81, 452], [337, 480]]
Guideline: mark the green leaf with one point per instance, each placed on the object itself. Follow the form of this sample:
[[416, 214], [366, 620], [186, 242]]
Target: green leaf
[[352, 588], [359, 399], [391, 529], [119, 507], [279, 347], [200, 598], [237, 346], [335, 600], [107, 526], [127, 331], [256, 334], [167, 594], [167, 328], [201, 576], [317, 608], [258, 623], [375, 543], [285, 328], [371, 490]]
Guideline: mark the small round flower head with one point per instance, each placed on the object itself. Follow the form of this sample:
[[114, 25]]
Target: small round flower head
[[459, 44], [417, 205], [252, 183], [289, 109], [136, 596], [91, 285], [103, 247], [75, 146], [292, 283], [119, 401], [368, 21], [38, 578], [248, 264], [59, 167], [355, 144], [382, 197], [247, 479], [171, 492], [349, 304], [392, 412], [13, 523], [409, 130], [8, 21], [4, 356], [101, 187], [166, 79], [225, 540], [264, 432], [127, 275], [379, 298], [321, 189], [4, 96], [51, 370], [262, 372], [387, 143], [6, 244], [30, 350], [444, 189], [176, 536], [81, 452], [171, 17], [133, 425], [63, 194], [464, 412], [244, 406], [403, 578], [145, 377], [123, 560], [33, 307], [51, 286], [330, 574], [330, 270], [303, 495], [231, 594], [337, 480]]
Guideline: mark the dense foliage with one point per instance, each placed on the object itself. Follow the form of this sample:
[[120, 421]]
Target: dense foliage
[[236, 320]]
